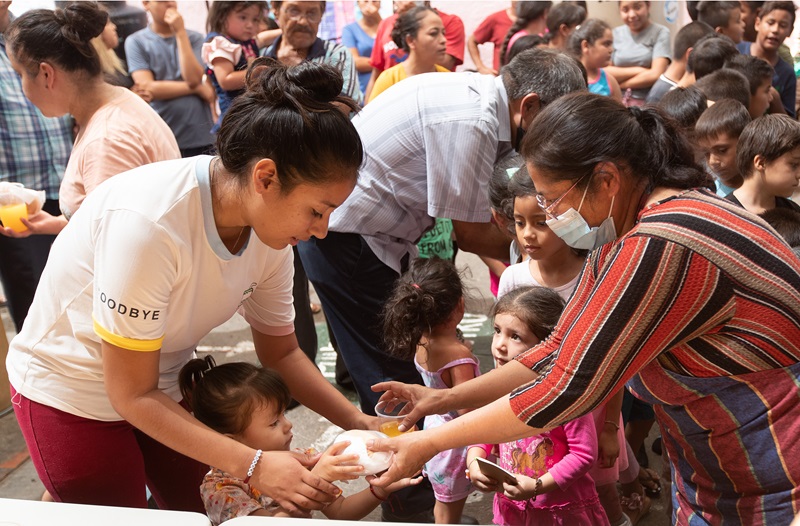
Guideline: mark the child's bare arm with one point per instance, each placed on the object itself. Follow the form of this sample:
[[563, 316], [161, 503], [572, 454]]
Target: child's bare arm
[[476, 476], [228, 78], [356, 507]]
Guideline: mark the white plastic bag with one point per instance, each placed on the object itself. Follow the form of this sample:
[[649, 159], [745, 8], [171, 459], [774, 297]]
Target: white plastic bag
[[15, 193]]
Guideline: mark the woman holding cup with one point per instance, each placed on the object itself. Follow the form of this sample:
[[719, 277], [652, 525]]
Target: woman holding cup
[[694, 303]]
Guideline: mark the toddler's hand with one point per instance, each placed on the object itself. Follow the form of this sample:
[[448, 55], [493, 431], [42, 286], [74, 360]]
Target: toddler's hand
[[332, 465], [523, 490], [480, 481], [396, 486]]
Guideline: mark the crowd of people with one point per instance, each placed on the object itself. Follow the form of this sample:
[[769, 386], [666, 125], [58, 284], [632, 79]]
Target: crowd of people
[[631, 193]]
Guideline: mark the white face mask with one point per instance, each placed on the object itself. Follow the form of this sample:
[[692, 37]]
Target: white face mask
[[573, 229]]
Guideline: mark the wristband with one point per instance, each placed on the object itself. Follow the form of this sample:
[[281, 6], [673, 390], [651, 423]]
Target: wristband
[[372, 490], [536, 488], [253, 465], [616, 425]]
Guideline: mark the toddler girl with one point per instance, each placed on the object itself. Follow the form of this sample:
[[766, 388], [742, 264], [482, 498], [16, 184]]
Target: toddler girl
[[247, 403], [552, 469], [551, 262], [420, 323], [592, 43], [230, 47]]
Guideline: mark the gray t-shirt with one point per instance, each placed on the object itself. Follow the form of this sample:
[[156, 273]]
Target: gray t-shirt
[[640, 49], [189, 116]]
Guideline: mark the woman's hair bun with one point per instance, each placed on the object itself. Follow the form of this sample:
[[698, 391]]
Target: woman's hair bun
[[80, 22], [306, 83]]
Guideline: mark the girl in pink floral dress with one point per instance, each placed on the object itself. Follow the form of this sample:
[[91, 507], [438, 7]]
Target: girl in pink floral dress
[[553, 486]]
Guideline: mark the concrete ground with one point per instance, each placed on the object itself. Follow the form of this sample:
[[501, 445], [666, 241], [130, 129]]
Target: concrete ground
[[232, 342]]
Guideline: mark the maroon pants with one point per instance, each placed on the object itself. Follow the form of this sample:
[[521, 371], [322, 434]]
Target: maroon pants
[[86, 461]]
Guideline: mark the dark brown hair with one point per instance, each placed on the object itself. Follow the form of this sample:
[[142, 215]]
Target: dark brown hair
[[292, 115], [725, 84], [566, 14], [684, 106], [220, 9], [62, 36], [573, 134], [688, 36], [716, 14], [408, 25], [590, 31], [710, 54], [422, 299], [223, 397], [769, 7], [527, 12], [786, 222], [539, 308], [755, 70], [770, 137], [726, 116]]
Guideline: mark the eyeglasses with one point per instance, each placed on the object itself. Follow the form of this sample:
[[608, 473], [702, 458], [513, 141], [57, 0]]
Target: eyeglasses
[[312, 16], [549, 206]]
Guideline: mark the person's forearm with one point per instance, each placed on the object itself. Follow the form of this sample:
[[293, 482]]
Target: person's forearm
[[474, 53], [491, 424], [488, 387], [191, 70], [266, 38], [168, 89], [623, 74], [483, 239], [370, 85], [233, 81], [641, 80], [362, 64]]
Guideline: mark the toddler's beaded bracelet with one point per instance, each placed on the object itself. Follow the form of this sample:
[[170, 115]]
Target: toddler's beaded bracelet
[[374, 494], [253, 465]]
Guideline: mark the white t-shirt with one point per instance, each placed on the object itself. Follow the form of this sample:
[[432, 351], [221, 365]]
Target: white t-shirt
[[142, 266], [519, 275]]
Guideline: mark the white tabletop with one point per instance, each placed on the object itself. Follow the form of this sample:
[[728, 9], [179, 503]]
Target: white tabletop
[[15, 512]]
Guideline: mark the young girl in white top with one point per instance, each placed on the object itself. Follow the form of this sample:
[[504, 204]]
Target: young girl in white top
[[551, 262], [420, 323], [248, 404]]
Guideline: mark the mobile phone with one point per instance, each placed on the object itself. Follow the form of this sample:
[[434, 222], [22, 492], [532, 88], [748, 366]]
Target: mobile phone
[[492, 470]]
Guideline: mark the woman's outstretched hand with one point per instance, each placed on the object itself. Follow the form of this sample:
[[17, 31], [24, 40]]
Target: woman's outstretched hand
[[420, 401], [411, 451]]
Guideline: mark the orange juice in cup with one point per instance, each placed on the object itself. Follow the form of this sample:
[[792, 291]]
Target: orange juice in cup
[[11, 215], [391, 428]]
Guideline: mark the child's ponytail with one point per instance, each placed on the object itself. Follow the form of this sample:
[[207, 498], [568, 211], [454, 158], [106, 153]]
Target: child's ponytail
[[423, 298]]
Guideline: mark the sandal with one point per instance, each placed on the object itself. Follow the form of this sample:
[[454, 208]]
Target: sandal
[[635, 506], [651, 482]]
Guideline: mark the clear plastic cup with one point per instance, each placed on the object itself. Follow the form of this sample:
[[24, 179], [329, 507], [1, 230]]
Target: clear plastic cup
[[11, 215], [390, 420]]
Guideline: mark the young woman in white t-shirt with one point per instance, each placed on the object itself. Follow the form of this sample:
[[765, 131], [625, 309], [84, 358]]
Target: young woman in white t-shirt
[[155, 259]]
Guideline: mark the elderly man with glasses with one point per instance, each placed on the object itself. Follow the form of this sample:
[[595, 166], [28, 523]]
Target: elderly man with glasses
[[299, 22]]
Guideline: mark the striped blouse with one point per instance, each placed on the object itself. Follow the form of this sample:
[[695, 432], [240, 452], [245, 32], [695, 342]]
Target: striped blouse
[[701, 299]]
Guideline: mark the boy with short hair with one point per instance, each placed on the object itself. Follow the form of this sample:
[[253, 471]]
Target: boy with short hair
[[717, 134], [768, 157], [709, 55], [774, 23], [759, 76], [164, 60], [724, 17], [725, 84], [685, 40]]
